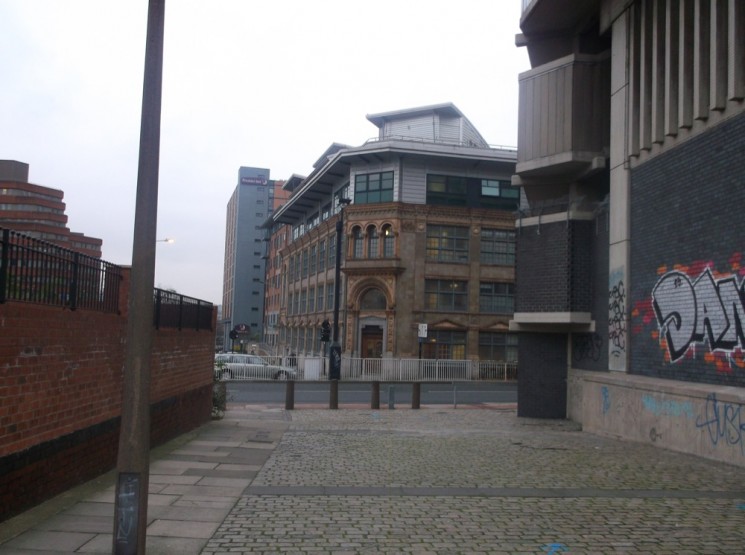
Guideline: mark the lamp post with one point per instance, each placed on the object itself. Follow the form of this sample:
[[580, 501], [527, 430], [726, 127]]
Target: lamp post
[[166, 240], [335, 349]]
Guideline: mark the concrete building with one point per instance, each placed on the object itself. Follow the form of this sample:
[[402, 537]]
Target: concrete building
[[252, 201], [428, 238], [38, 211], [631, 288]]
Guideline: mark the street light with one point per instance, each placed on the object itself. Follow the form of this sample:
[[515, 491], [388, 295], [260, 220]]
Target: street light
[[335, 349], [166, 240]]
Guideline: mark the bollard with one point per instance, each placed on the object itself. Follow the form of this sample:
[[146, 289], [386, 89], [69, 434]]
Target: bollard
[[415, 395], [455, 395], [334, 394], [290, 395], [375, 396], [391, 397]]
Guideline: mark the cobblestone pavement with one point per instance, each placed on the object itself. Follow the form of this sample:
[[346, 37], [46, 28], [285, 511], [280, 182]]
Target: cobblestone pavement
[[451, 481]]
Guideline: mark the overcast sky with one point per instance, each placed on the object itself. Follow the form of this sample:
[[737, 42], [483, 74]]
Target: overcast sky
[[245, 83]]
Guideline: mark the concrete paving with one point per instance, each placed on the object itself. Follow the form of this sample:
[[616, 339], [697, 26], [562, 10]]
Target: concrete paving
[[430, 481]]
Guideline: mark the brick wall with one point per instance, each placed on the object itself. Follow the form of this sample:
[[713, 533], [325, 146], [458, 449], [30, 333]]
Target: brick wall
[[688, 260], [61, 394]]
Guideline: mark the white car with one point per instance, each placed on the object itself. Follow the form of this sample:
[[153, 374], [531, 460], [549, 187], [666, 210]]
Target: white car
[[235, 366]]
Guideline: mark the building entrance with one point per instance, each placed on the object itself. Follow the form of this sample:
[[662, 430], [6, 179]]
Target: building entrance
[[372, 342]]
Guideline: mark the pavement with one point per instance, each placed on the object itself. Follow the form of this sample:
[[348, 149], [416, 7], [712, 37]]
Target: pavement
[[439, 480]]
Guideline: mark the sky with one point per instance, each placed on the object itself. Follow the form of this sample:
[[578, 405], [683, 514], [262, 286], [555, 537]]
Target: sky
[[269, 84]]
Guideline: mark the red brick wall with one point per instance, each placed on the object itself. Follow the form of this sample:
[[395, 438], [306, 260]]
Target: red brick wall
[[61, 395]]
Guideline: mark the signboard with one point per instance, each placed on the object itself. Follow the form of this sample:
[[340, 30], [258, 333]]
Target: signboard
[[253, 180], [422, 330]]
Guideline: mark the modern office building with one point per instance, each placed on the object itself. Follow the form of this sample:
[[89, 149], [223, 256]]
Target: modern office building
[[631, 288], [38, 211], [252, 201], [428, 237]]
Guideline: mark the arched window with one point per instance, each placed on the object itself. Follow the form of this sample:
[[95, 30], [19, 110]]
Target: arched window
[[372, 242], [389, 242], [357, 243], [373, 299]]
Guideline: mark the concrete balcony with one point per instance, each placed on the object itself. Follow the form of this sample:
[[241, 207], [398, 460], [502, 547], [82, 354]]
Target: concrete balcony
[[564, 120]]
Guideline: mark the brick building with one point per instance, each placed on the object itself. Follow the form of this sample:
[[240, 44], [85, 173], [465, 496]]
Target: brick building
[[38, 212], [428, 238], [631, 288]]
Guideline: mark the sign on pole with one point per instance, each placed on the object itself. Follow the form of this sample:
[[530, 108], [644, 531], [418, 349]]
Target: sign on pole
[[422, 330]]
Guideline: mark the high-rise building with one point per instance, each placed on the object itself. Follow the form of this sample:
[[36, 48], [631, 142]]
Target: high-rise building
[[252, 201], [38, 211]]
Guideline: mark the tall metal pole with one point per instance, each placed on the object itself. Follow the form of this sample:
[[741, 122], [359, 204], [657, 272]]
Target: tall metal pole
[[130, 503], [335, 349]]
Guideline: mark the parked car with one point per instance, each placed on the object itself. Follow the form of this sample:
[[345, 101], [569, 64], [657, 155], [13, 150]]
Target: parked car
[[235, 366]]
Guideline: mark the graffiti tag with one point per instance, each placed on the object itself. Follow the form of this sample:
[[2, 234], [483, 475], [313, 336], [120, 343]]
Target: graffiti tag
[[690, 312], [586, 346], [606, 399], [617, 318], [723, 422]]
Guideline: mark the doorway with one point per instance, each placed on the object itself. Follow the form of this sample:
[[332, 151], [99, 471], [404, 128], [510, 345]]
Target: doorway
[[371, 342]]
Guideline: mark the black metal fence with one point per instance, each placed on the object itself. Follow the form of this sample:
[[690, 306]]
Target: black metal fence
[[173, 310], [36, 271]]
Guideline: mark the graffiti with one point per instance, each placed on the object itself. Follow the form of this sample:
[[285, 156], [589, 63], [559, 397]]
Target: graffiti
[[667, 407], [723, 422], [553, 548], [617, 318], [690, 312], [586, 346], [653, 435], [606, 399]]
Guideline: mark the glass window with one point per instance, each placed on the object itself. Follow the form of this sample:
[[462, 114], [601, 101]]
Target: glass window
[[373, 299], [358, 244], [496, 297], [332, 251], [373, 187], [372, 242], [321, 256], [319, 299], [313, 260], [446, 295], [449, 190], [389, 242], [498, 247], [498, 346], [305, 263], [329, 296], [445, 344], [447, 243], [312, 299]]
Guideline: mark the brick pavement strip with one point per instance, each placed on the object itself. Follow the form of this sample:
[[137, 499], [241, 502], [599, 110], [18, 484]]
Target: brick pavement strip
[[465, 481]]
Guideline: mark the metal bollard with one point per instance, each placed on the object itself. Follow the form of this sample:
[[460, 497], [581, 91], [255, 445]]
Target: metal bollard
[[375, 396], [416, 392], [290, 395], [334, 394], [391, 397]]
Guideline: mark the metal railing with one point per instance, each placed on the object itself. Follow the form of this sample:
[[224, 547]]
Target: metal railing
[[383, 369], [173, 310], [36, 271]]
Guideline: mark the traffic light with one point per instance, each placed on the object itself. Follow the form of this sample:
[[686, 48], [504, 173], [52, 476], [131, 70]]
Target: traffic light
[[325, 331], [233, 334]]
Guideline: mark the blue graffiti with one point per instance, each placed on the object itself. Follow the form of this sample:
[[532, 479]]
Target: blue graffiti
[[553, 548], [668, 407], [606, 399], [723, 421]]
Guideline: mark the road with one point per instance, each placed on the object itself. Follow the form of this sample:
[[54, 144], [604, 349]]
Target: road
[[464, 393]]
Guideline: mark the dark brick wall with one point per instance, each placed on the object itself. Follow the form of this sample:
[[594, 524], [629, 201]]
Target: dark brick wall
[[686, 217], [590, 350], [542, 377], [553, 267]]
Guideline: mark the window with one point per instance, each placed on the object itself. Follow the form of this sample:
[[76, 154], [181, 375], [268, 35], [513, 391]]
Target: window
[[389, 242], [332, 251], [357, 243], [303, 301], [447, 243], [342, 193], [373, 187], [313, 260], [498, 247], [290, 299], [372, 242], [498, 346], [291, 268], [305, 263], [326, 212], [444, 344], [373, 299], [321, 256], [319, 299], [496, 297], [312, 299], [446, 295], [446, 190], [329, 296]]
